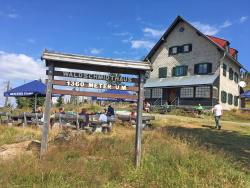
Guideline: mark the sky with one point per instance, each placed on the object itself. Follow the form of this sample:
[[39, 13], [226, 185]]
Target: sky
[[123, 29]]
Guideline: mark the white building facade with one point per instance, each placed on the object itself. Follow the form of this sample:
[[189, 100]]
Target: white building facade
[[190, 68]]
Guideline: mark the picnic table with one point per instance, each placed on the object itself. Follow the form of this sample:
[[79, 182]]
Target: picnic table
[[146, 119], [75, 120]]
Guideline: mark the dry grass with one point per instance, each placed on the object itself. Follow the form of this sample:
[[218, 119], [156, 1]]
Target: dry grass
[[169, 160]]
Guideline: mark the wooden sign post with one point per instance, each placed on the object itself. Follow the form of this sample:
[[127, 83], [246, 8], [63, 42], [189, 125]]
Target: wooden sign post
[[45, 128], [139, 121], [58, 60]]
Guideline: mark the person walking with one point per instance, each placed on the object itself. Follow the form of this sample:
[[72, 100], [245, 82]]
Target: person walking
[[218, 112]]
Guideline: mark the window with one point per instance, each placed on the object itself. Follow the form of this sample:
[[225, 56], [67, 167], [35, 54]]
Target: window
[[203, 68], [180, 49], [231, 74], [180, 71], [147, 93], [202, 92], [173, 50], [223, 96], [236, 100], [163, 72], [236, 77], [224, 70], [230, 98], [187, 92], [156, 92], [181, 29], [186, 48], [215, 92]]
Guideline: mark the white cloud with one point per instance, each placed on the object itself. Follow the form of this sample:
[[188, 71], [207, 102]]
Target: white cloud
[[152, 32], [114, 25], [20, 67], [31, 40], [206, 28], [95, 51], [13, 15], [122, 34], [243, 19], [141, 44], [17, 68], [227, 23]]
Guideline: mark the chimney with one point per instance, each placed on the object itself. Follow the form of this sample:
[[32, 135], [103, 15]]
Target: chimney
[[236, 55], [227, 47]]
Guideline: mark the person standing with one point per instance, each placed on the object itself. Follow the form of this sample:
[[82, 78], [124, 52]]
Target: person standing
[[111, 111], [147, 107], [217, 111]]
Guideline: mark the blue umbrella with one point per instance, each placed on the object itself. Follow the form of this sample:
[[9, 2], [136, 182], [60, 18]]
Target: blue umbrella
[[30, 89], [34, 88], [246, 94]]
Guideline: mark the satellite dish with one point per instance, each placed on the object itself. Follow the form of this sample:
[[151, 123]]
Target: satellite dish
[[242, 84]]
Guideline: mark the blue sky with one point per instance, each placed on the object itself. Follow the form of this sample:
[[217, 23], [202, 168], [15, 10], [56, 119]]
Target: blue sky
[[112, 28]]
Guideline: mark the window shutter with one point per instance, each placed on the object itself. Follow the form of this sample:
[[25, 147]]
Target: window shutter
[[209, 68], [196, 68], [231, 74], [224, 70], [162, 72], [223, 97], [236, 100], [180, 49], [230, 98], [173, 71], [170, 50], [185, 70], [190, 47]]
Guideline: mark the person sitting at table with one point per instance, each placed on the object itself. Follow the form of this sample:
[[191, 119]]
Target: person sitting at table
[[39, 109], [111, 111], [61, 110], [83, 123], [103, 120]]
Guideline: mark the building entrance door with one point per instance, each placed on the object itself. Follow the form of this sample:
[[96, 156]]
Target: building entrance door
[[171, 95]]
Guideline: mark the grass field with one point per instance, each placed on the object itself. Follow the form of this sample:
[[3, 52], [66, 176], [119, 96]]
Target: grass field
[[179, 152]]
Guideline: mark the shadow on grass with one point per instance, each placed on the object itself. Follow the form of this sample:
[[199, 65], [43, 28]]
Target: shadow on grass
[[234, 144]]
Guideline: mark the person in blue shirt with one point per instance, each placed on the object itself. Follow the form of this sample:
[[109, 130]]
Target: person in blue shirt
[[111, 111]]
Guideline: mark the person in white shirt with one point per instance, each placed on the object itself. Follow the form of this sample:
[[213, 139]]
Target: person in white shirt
[[217, 111], [103, 117]]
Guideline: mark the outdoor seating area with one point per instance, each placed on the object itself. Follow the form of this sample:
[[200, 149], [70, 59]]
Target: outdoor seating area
[[89, 122]]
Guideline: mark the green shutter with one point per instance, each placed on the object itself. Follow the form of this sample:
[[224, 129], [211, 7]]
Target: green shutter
[[230, 98], [163, 72], [236, 77], [173, 71], [185, 70], [231, 74], [223, 97], [224, 70], [170, 50], [180, 49], [196, 68], [236, 100], [209, 67], [190, 47]]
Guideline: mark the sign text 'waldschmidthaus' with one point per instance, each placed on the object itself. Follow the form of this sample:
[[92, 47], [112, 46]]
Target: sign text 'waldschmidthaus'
[[116, 78]]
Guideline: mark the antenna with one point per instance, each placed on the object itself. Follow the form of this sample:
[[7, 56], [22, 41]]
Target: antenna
[[242, 84]]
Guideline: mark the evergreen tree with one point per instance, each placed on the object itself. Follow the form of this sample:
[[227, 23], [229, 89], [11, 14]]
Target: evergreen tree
[[59, 101]]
